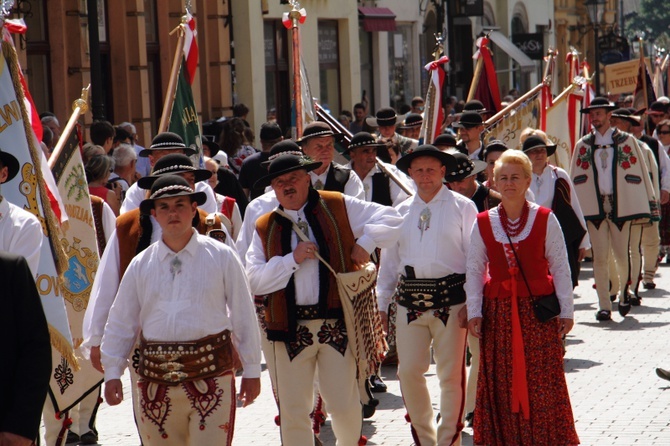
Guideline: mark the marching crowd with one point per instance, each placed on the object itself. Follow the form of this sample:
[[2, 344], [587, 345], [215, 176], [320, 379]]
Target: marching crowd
[[478, 246]]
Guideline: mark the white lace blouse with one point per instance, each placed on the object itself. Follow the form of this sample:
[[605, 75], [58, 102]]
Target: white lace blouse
[[554, 251]]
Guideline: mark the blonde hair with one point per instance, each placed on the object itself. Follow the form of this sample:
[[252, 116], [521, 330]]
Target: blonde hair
[[529, 131], [514, 157]]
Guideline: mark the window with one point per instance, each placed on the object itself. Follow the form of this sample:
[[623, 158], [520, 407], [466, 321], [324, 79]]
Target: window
[[329, 66]]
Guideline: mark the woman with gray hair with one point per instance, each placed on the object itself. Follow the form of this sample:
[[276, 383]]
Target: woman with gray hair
[[98, 169], [125, 162]]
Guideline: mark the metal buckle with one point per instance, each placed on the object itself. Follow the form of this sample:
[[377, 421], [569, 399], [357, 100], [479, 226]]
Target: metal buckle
[[175, 377], [422, 296], [423, 303], [171, 366]]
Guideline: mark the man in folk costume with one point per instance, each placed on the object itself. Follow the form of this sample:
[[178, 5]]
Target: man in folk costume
[[164, 144], [318, 143], [470, 128], [303, 312], [378, 186], [426, 271], [624, 120], [134, 233], [612, 182], [188, 300], [385, 121], [651, 240]]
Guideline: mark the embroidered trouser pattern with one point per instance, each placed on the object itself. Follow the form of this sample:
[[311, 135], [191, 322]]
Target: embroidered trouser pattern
[[189, 414], [414, 340], [319, 348]]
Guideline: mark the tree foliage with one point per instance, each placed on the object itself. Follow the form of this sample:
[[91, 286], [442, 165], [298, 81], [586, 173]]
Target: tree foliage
[[653, 19]]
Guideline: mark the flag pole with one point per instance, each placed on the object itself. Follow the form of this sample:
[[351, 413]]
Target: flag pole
[[174, 75], [79, 107], [295, 16], [475, 79], [513, 105], [643, 69]]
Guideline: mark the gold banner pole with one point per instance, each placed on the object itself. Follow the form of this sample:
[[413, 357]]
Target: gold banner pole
[[79, 107], [174, 75]]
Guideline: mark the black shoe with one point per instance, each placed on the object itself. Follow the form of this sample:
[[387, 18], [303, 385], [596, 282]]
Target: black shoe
[[604, 315], [72, 438], [89, 437], [612, 297], [635, 300], [377, 385], [663, 374], [470, 419], [649, 285], [624, 307]]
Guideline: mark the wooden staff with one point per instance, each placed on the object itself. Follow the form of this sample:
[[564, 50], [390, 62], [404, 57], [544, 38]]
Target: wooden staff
[[295, 16], [79, 107], [174, 77]]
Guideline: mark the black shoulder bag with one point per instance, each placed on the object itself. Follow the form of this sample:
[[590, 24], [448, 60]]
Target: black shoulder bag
[[546, 307]]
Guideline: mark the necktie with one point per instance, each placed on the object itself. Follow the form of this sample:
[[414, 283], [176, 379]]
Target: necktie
[[318, 185]]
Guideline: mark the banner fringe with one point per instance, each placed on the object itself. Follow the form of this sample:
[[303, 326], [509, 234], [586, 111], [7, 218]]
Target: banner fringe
[[61, 344]]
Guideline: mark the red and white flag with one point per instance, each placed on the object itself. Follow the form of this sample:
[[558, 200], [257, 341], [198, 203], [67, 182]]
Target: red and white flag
[[434, 113], [190, 48], [487, 90]]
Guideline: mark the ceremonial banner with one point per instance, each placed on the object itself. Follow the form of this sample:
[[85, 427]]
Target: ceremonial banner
[[179, 112], [487, 90], [644, 91], [27, 190], [81, 247], [565, 110], [509, 128]]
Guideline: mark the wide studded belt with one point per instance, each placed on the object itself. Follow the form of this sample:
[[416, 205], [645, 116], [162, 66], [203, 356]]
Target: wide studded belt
[[172, 363], [431, 294]]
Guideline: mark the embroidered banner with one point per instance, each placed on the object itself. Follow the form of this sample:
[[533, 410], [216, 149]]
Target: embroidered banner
[[509, 128], [564, 110], [80, 244]]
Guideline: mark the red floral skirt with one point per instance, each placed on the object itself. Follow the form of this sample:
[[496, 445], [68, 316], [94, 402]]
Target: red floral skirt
[[551, 422]]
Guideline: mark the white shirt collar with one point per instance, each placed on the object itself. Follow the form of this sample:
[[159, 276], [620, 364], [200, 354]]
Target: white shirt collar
[[4, 208], [190, 248]]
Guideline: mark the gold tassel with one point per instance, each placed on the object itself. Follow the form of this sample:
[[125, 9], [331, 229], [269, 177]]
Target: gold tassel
[[62, 346], [53, 225]]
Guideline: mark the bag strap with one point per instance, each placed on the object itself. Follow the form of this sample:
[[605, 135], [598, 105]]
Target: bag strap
[[518, 263], [304, 238]]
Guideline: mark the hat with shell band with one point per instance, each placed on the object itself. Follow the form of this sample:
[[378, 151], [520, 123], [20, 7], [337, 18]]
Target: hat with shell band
[[413, 120], [284, 147], [318, 129], [167, 141], [168, 186], [465, 168], [363, 139], [447, 159], [173, 164], [537, 142], [283, 164]]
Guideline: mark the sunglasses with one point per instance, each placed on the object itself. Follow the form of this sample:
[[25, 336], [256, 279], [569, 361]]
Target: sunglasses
[[663, 132]]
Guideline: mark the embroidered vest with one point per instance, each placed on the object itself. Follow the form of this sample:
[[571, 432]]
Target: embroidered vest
[[128, 232], [531, 258], [327, 217]]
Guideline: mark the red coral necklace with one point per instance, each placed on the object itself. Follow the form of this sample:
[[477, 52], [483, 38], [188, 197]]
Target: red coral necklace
[[513, 229]]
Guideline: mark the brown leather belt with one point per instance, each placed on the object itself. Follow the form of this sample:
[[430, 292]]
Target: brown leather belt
[[172, 363]]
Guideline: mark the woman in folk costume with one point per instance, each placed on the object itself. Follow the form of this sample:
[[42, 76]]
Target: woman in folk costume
[[553, 189], [522, 396]]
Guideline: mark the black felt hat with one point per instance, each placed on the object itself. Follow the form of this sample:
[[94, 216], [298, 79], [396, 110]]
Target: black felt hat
[[657, 108], [474, 105], [213, 147], [447, 159], [285, 163], [172, 164], [364, 139], [627, 115], [285, 146], [167, 141], [537, 142], [11, 163], [465, 167], [169, 186], [413, 120], [494, 145], [468, 120], [599, 102], [385, 117], [318, 129], [270, 131], [445, 140]]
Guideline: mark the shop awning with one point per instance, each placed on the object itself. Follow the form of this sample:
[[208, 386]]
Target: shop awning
[[377, 19], [512, 51]]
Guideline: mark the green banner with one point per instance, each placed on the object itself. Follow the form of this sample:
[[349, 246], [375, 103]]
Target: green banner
[[184, 117]]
